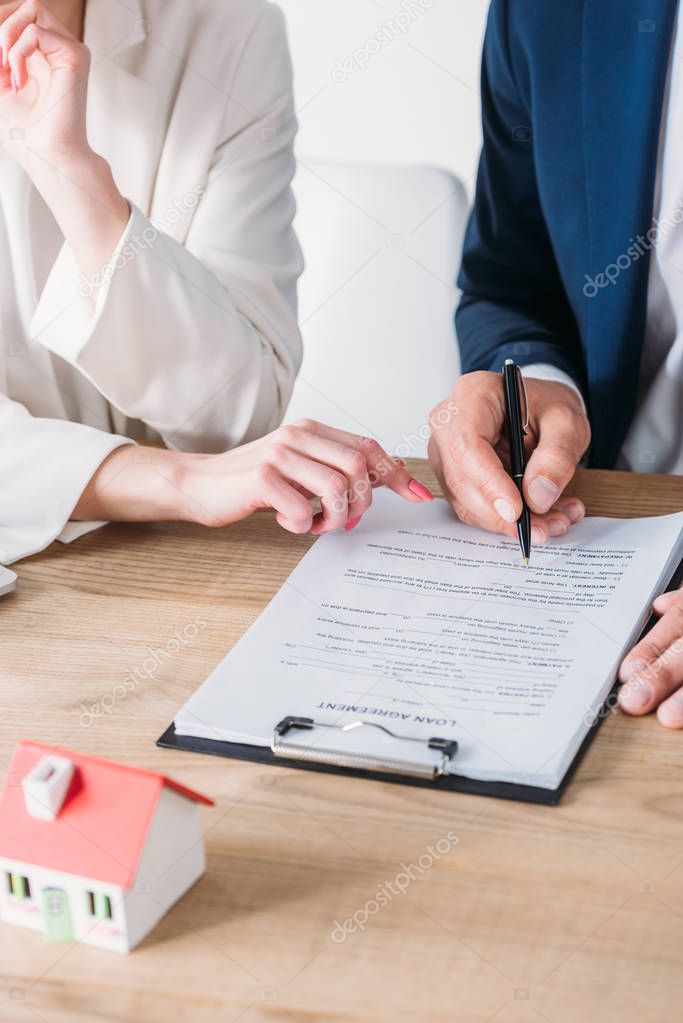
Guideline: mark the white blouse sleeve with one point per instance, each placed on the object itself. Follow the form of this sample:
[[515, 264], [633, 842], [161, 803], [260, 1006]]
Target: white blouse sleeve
[[45, 465], [200, 340]]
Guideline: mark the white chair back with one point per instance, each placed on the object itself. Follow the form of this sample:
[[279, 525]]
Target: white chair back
[[377, 300]]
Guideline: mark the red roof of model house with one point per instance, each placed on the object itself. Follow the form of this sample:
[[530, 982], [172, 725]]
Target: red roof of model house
[[100, 828]]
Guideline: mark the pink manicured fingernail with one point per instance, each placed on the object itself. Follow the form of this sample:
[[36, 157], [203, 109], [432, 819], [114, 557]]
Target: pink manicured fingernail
[[352, 523], [420, 491]]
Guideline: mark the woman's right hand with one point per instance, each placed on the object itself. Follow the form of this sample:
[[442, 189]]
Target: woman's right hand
[[43, 84], [284, 471]]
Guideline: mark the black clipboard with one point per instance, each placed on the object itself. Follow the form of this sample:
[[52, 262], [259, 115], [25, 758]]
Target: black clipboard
[[440, 782]]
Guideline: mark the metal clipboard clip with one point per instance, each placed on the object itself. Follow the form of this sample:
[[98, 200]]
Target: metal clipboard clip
[[416, 758]]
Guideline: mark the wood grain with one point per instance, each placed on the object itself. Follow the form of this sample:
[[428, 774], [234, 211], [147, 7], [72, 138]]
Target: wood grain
[[563, 914]]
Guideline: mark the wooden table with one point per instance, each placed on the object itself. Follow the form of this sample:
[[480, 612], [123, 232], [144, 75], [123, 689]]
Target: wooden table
[[565, 914]]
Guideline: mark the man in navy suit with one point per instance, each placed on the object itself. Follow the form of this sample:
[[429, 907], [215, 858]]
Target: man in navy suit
[[573, 267]]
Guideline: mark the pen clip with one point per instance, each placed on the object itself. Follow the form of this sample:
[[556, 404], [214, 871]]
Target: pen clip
[[520, 375]]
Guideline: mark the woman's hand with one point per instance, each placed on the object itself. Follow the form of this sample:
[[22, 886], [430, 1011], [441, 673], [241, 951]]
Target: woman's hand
[[285, 471], [653, 671], [43, 97], [43, 84]]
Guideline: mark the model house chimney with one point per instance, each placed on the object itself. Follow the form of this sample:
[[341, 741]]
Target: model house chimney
[[45, 787]]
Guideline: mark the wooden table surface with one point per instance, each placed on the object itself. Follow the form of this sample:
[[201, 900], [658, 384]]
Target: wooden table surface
[[565, 914]]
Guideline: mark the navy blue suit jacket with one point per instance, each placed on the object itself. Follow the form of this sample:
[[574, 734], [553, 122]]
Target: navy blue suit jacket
[[556, 255]]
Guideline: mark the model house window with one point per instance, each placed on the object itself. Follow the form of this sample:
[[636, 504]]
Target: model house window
[[99, 905], [18, 885]]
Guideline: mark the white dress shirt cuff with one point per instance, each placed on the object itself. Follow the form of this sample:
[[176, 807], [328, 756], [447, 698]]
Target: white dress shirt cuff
[[545, 371]]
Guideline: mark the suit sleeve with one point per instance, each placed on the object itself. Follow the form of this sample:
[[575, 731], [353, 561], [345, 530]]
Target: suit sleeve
[[199, 340], [45, 465], [513, 301]]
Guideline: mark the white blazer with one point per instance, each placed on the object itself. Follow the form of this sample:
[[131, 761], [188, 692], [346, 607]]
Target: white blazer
[[192, 340]]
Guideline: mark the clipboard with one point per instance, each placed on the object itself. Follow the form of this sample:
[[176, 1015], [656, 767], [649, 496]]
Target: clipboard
[[407, 761]]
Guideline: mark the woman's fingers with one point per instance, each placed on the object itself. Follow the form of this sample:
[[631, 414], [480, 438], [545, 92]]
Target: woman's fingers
[[6, 10], [30, 28], [12, 26], [341, 469], [653, 670], [15, 19], [292, 510], [58, 50], [31, 40], [348, 460], [383, 470], [326, 482]]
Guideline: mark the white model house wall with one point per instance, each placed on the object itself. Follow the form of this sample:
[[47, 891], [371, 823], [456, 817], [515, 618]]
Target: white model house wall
[[28, 912], [172, 861]]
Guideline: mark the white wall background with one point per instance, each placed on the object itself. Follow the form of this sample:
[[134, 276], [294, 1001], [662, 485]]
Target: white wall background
[[382, 84], [416, 100]]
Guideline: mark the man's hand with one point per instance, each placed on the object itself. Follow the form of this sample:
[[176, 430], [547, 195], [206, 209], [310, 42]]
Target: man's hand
[[653, 672], [469, 452]]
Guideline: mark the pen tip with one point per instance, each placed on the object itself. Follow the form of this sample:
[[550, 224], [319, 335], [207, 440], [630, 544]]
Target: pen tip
[[526, 562]]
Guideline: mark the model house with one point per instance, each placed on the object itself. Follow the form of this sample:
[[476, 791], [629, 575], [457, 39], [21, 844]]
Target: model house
[[92, 850]]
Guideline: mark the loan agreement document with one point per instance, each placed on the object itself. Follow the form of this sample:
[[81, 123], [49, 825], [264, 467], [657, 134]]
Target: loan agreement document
[[430, 627]]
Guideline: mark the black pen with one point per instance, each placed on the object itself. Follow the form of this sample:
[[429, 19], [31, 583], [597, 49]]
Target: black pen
[[516, 432]]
